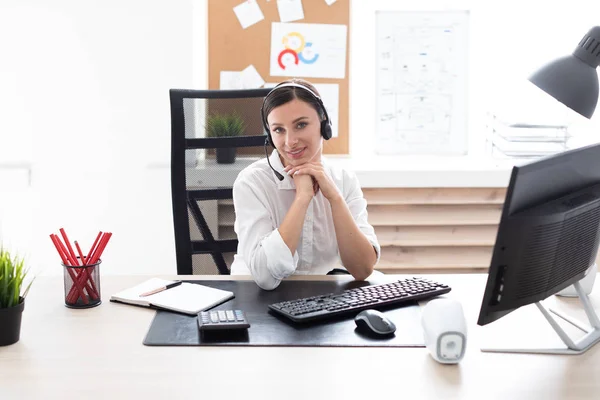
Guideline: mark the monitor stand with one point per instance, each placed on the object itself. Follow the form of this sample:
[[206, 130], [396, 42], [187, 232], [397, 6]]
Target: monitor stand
[[592, 335]]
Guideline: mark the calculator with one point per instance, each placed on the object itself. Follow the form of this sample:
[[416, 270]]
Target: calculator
[[222, 320]]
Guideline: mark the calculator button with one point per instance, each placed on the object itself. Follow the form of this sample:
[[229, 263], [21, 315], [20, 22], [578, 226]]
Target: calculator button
[[230, 316], [222, 320], [214, 317]]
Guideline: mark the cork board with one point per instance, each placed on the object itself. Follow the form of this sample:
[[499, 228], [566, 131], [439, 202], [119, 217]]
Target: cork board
[[232, 48]]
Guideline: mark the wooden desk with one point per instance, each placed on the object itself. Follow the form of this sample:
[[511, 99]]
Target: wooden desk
[[98, 353]]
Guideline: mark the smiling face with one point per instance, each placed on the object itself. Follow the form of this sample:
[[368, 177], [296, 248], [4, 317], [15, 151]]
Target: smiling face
[[296, 131]]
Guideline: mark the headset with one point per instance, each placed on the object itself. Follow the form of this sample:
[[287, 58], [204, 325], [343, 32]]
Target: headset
[[326, 131]]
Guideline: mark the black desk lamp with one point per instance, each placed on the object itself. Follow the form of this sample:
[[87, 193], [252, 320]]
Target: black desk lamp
[[573, 80]]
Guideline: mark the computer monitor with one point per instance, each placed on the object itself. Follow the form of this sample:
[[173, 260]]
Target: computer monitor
[[547, 238]]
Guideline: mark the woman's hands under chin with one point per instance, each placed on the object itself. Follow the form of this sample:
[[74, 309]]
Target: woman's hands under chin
[[305, 185], [321, 180]]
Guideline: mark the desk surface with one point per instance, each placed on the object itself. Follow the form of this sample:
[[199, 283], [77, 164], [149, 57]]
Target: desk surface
[[98, 353], [389, 171]]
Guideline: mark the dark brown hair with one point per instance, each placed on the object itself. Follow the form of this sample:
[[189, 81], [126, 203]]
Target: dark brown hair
[[279, 97]]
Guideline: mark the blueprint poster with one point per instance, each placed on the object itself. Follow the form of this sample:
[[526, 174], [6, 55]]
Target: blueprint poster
[[308, 50], [421, 83]]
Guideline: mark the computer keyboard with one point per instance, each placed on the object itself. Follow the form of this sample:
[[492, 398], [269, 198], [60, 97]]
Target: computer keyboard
[[352, 300]]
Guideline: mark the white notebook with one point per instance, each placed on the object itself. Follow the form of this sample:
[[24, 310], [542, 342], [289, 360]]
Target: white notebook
[[187, 298]]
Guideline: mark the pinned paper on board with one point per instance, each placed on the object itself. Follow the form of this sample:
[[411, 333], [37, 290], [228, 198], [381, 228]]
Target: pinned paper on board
[[290, 10], [330, 95], [251, 79], [230, 80], [308, 50], [248, 13]]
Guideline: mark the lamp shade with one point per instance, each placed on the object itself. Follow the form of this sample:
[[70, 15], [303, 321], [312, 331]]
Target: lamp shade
[[573, 79]]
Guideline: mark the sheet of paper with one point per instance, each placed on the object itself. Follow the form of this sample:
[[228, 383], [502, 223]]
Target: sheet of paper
[[421, 82], [248, 13], [308, 50], [330, 2], [290, 10], [231, 80], [330, 95], [251, 79]]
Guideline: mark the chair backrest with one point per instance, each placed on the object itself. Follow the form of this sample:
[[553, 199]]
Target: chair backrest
[[207, 128]]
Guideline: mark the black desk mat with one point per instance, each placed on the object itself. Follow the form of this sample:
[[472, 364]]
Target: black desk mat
[[269, 329]]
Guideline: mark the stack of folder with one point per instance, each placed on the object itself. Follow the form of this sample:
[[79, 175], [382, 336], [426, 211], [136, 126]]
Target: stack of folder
[[524, 140]]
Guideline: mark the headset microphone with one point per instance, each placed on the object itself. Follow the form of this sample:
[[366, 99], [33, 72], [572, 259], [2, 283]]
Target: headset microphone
[[277, 174]]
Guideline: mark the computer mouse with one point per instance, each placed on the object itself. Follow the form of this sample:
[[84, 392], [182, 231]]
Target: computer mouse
[[373, 321]]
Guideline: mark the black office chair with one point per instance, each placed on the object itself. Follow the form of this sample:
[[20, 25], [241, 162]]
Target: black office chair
[[202, 171]]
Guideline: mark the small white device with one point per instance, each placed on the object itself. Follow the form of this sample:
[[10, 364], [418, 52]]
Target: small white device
[[444, 330]]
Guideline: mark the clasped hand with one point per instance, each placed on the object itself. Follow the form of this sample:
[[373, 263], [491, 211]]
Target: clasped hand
[[310, 178]]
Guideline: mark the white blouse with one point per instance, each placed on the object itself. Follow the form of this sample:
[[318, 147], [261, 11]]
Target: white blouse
[[261, 203]]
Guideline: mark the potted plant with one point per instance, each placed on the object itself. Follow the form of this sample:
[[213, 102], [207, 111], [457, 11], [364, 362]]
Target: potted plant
[[225, 125], [12, 297]]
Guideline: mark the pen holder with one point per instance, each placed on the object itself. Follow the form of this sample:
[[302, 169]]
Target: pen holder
[[82, 285]]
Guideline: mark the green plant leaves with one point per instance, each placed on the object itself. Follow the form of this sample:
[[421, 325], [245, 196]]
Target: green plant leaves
[[223, 125], [12, 276]]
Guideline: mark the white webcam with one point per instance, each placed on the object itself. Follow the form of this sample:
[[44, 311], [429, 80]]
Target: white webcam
[[444, 330]]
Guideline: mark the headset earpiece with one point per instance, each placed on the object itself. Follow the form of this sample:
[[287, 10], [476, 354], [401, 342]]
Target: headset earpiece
[[326, 130]]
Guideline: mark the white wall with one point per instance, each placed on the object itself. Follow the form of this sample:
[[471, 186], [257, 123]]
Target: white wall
[[508, 40], [85, 109], [85, 101]]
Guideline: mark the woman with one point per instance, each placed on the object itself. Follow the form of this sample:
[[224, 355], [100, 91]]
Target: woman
[[300, 216]]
